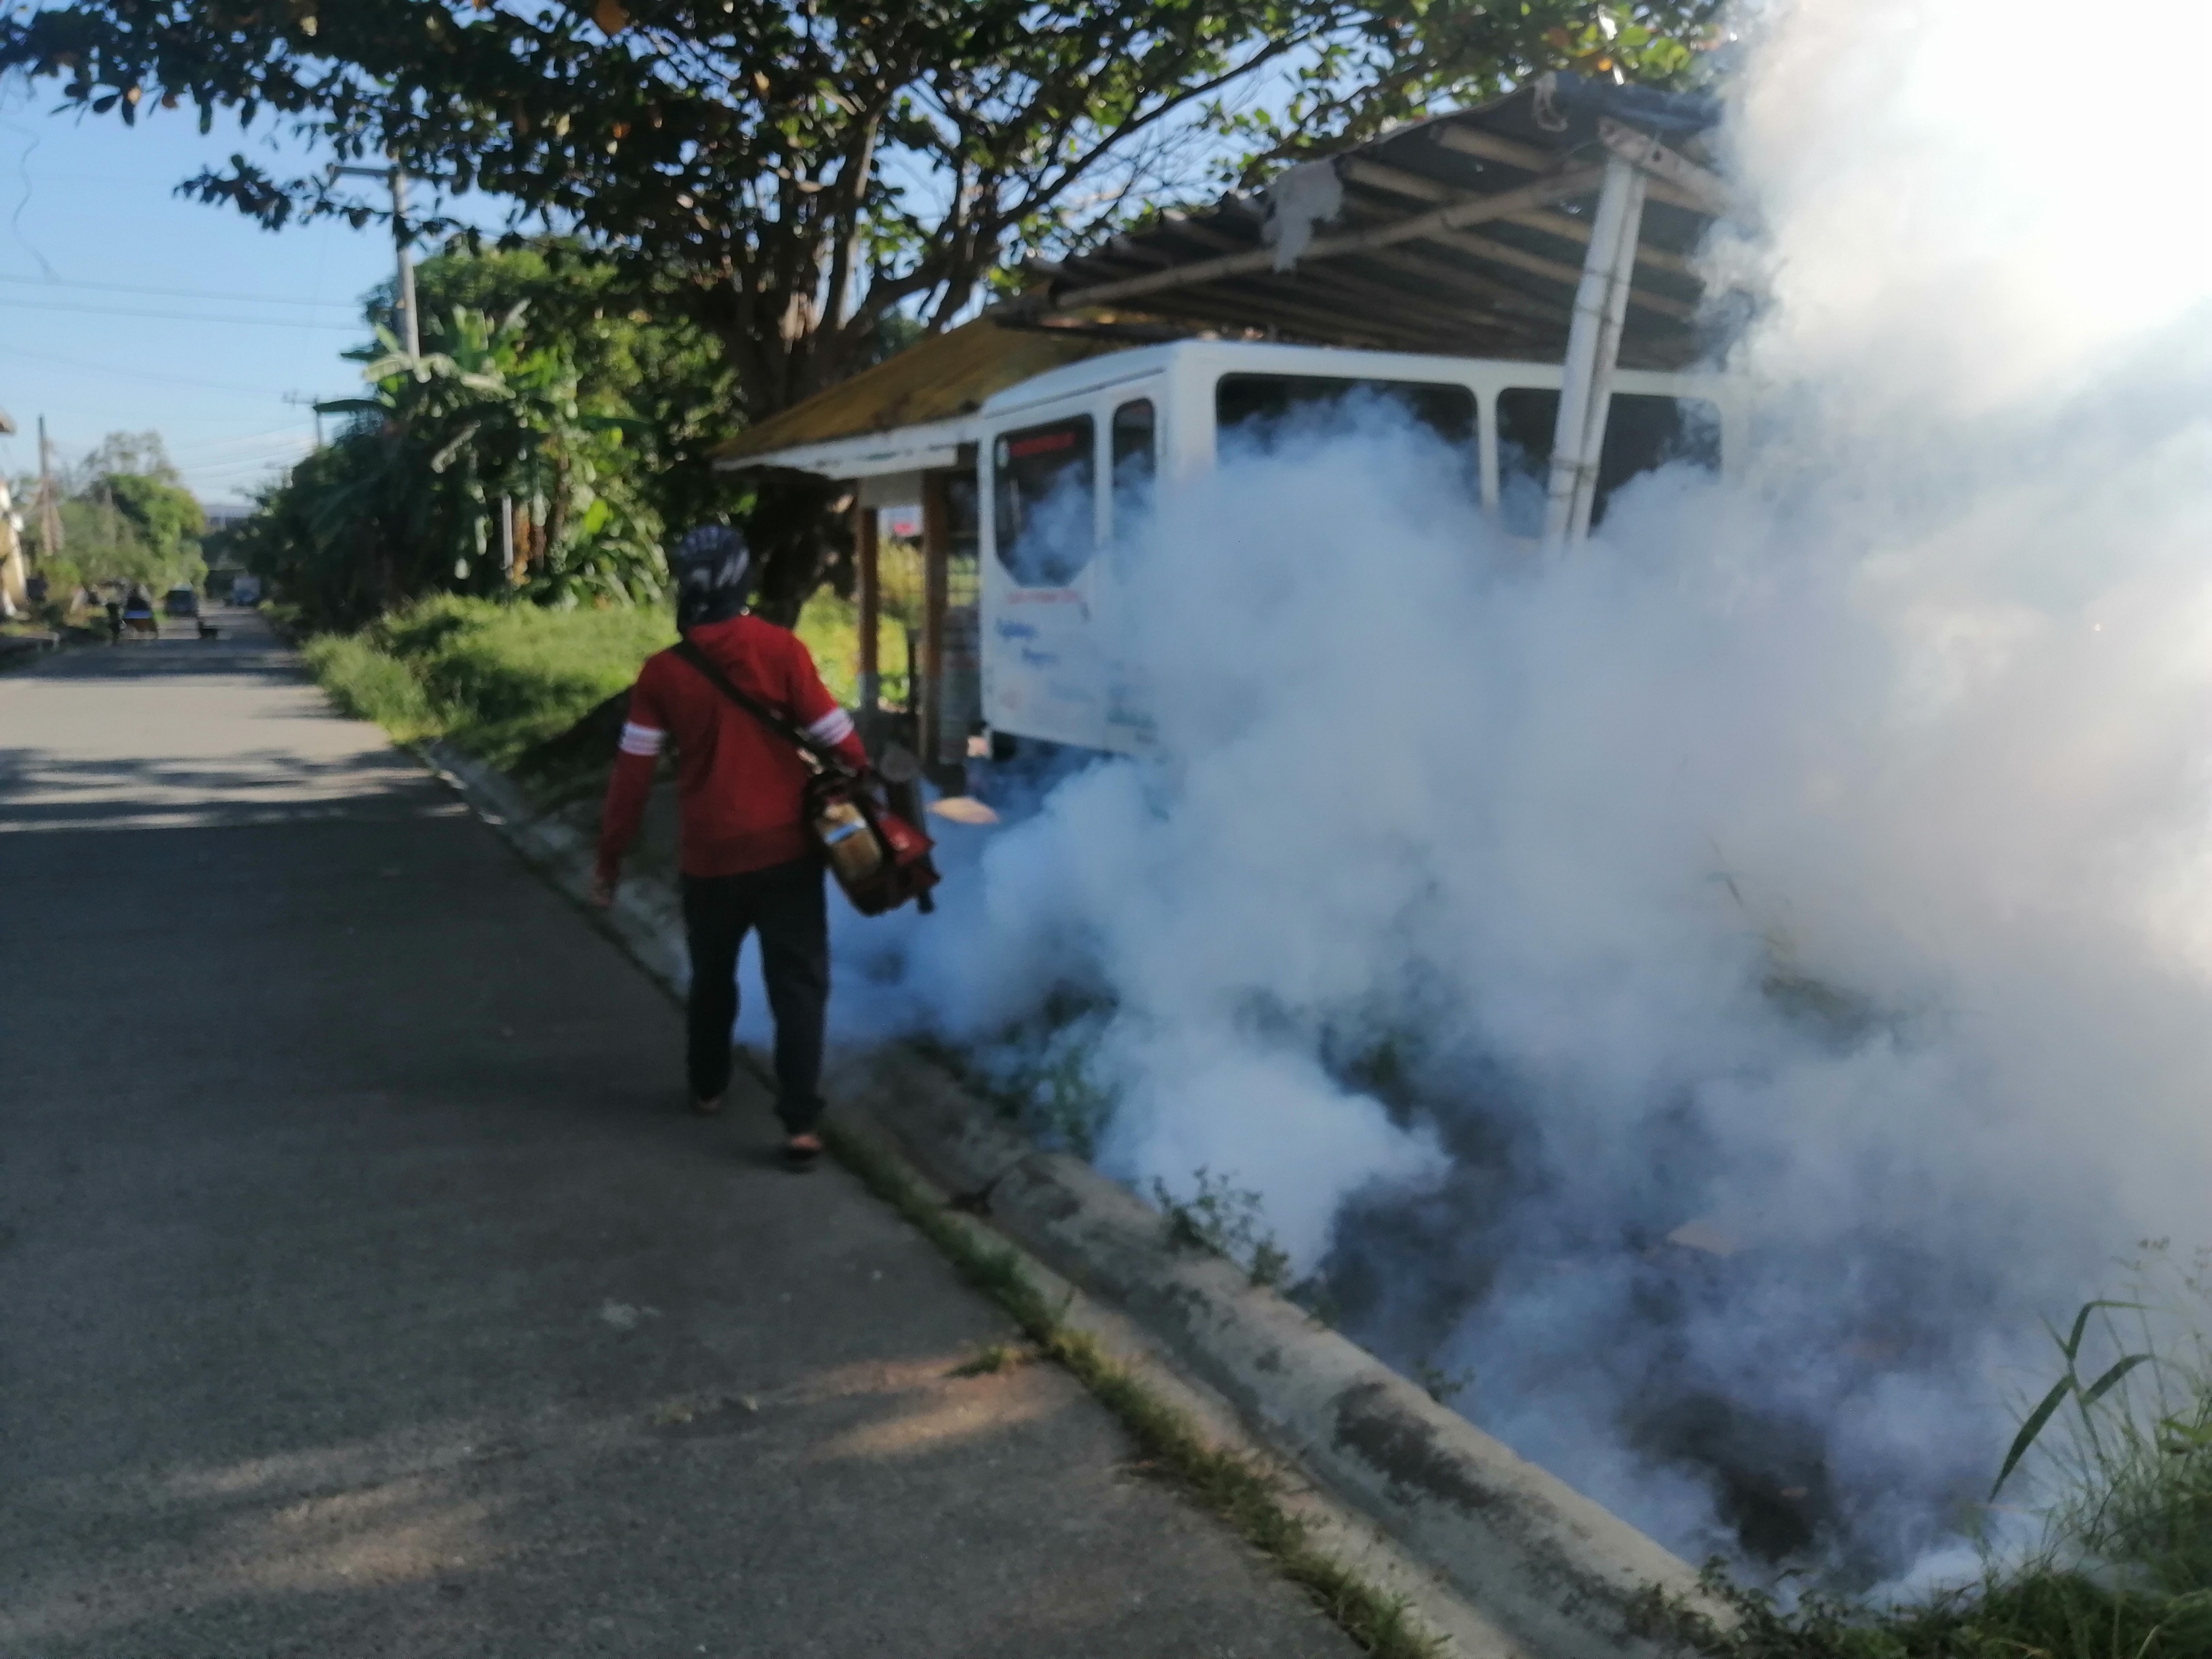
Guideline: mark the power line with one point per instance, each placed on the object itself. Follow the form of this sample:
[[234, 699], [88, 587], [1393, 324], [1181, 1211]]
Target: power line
[[181, 316], [259, 457], [251, 464], [175, 293], [245, 439], [136, 374]]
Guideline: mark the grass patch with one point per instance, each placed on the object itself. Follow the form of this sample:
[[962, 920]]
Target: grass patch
[[1234, 1487], [2124, 1569], [496, 678], [994, 1357], [830, 627], [1226, 1220], [2041, 1613], [371, 685], [492, 677]]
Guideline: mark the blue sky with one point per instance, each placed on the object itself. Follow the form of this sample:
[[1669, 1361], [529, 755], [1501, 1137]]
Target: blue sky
[[123, 307]]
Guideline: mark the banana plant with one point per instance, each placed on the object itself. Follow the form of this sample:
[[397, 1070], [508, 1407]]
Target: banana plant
[[483, 413]]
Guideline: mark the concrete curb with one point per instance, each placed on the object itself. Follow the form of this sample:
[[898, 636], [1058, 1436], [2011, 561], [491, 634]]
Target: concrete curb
[[1560, 1574], [1534, 1569]]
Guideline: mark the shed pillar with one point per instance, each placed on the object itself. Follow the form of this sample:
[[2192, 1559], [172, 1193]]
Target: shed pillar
[[1593, 353], [936, 570], [867, 594]]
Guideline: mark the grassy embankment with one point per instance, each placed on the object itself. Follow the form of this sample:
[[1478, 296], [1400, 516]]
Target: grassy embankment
[[495, 678], [2124, 1571]]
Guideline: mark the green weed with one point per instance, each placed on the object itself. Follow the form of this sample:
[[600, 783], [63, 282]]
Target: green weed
[[492, 677], [1065, 1105], [995, 1357], [368, 685], [497, 677], [2124, 1569], [831, 627], [1440, 1385], [1227, 1220]]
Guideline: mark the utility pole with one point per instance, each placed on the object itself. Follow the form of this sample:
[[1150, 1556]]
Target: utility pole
[[411, 332], [50, 511], [295, 399]]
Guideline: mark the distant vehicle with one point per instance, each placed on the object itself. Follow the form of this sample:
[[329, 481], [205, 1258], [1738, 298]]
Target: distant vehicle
[[137, 614], [246, 589], [182, 600]]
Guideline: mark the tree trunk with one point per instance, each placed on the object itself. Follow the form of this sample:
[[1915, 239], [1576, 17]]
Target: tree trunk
[[557, 511], [799, 536]]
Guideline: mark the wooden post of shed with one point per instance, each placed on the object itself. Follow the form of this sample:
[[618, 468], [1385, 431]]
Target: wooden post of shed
[[867, 593], [936, 560]]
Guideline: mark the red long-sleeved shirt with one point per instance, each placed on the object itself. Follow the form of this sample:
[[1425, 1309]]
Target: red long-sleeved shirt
[[738, 785]]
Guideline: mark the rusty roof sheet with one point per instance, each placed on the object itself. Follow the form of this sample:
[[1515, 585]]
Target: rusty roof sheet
[[937, 379]]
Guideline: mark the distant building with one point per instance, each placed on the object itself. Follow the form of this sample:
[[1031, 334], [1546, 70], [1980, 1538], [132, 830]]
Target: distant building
[[14, 574], [223, 516]]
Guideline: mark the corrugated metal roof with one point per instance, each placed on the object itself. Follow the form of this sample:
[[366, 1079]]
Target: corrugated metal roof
[[938, 379], [1463, 233]]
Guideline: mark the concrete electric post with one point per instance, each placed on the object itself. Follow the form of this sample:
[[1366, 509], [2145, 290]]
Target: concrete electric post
[[411, 332]]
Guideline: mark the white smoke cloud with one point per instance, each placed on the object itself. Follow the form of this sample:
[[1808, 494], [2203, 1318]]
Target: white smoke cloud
[[1820, 858]]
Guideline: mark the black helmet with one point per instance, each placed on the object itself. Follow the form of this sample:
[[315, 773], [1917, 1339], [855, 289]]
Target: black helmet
[[712, 568]]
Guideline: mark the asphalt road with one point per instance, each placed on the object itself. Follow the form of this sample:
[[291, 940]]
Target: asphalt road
[[364, 1289]]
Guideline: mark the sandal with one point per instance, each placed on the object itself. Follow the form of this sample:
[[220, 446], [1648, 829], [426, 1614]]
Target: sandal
[[707, 1108], [802, 1152]]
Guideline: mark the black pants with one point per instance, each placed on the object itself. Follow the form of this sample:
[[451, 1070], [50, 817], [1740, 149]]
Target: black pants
[[784, 902]]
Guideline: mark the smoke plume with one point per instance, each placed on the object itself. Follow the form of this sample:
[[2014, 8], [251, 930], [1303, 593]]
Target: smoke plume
[[1706, 997]]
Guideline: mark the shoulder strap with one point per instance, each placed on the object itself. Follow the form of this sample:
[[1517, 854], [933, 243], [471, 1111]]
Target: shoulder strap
[[821, 754]]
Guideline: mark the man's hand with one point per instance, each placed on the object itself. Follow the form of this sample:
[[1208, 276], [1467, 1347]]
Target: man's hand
[[602, 887]]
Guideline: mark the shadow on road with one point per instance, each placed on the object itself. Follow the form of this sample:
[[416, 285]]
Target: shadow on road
[[368, 1290]]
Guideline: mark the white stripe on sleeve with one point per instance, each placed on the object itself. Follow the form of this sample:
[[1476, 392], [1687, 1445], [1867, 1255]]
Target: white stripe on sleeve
[[835, 727], [641, 739]]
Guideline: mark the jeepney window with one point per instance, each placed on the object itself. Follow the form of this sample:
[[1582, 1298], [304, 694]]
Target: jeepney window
[[1258, 410], [1042, 498], [1644, 431], [1136, 461]]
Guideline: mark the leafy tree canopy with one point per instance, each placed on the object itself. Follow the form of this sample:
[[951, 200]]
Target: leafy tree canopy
[[489, 423], [125, 517], [138, 454], [552, 393], [796, 171], [637, 358], [164, 514]]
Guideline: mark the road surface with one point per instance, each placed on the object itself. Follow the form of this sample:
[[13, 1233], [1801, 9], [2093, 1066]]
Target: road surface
[[364, 1289]]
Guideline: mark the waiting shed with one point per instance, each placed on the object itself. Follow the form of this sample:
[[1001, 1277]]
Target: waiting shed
[[1557, 224], [901, 434]]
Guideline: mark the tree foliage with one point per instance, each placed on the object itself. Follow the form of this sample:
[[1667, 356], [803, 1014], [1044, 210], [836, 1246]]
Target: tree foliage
[[125, 517], [411, 498], [165, 514], [128, 454], [546, 381], [795, 178], [638, 358], [796, 171]]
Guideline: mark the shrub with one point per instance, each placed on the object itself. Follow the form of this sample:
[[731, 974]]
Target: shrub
[[369, 685], [493, 678], [2124, 1570]]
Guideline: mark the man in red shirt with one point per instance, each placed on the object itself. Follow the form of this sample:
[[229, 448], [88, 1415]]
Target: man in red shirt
[[749, 860]]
